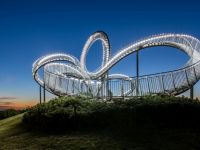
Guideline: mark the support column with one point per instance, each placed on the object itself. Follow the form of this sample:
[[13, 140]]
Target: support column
[[107, 86], [44, 87], [81, 87], [173, 81], [40, 94], [44, 93], [102, 87], [192, 92], [148, 86], [73, 86], [122, 88], [137, 72]]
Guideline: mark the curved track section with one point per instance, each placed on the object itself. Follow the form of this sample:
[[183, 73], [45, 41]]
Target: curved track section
[[64, 74]]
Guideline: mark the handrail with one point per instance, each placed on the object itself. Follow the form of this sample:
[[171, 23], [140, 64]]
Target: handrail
[[173, 81]]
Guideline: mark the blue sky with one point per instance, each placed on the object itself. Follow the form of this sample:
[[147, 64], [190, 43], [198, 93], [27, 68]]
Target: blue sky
[[30, 29]]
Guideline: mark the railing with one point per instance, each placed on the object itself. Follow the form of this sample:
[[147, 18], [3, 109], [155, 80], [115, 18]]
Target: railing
[[70, 78], [170, 83]]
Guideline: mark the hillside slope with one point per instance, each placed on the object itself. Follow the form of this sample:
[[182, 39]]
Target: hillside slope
[[14, 136]]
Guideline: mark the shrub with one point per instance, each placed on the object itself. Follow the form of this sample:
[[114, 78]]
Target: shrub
[[9, 113], [81, 113]]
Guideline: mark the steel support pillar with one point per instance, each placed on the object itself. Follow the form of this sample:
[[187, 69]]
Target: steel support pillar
[[107, 86], [44, 87], [137, 73], [40, 94], [44, 93], [192, 92]]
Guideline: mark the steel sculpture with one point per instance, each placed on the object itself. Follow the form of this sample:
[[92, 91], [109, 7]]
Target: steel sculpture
[[64, 74]]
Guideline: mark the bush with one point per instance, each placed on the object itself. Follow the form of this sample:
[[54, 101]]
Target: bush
[[80, 113], [9, 113]]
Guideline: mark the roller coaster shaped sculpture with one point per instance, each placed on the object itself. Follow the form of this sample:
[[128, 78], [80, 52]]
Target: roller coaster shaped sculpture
[[64, 74]]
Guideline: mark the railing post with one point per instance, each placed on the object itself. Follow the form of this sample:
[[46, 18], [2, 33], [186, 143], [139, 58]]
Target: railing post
[[78, 87], [173, 81], [132, 87], [122, 88], [87, 89], [187, 77], [195, 74], [55, 83], [44, 87], [107, 86], [48, 77], [73, 86], [192, 92], [81, 86], [102, 85], [98, 91], [148, 85], [192, 88], [67, 86], [137, 72], [161, 83], [44, 92], [40, 94]]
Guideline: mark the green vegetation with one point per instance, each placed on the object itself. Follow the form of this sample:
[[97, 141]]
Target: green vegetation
[[13, 135], [148, 123], [79, 113], [9, 113]]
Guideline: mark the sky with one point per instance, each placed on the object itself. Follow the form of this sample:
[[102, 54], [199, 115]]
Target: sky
[[30, 29]]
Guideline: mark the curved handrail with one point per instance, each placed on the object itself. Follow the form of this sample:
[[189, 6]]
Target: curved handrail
[[77, 71]]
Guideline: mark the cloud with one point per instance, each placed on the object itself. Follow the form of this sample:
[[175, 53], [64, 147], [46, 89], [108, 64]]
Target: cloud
[[6, 103], [16, 104], [4, 107], [7, 98]]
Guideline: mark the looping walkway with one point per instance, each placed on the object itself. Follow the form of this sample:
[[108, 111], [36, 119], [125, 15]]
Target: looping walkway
[[66, 75]]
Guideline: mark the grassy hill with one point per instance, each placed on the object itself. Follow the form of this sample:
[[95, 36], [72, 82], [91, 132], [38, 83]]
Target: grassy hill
[[14, 135]]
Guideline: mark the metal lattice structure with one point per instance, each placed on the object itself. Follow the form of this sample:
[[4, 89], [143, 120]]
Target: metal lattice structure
[[64, 74]]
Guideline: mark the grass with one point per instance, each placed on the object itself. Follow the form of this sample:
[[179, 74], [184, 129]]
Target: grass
[[9, 113], [14, 135], [10, 125]]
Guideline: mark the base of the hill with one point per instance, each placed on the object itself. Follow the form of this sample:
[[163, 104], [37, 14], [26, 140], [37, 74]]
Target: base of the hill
[[13, 136]]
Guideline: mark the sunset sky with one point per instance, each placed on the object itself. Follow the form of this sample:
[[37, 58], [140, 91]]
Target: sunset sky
[[32, 28]]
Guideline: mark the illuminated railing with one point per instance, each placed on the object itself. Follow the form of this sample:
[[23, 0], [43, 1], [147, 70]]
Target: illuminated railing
[[65, 75]]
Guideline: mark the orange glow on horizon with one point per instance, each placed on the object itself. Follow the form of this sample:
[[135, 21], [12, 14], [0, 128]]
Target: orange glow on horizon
[[19, 105]]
